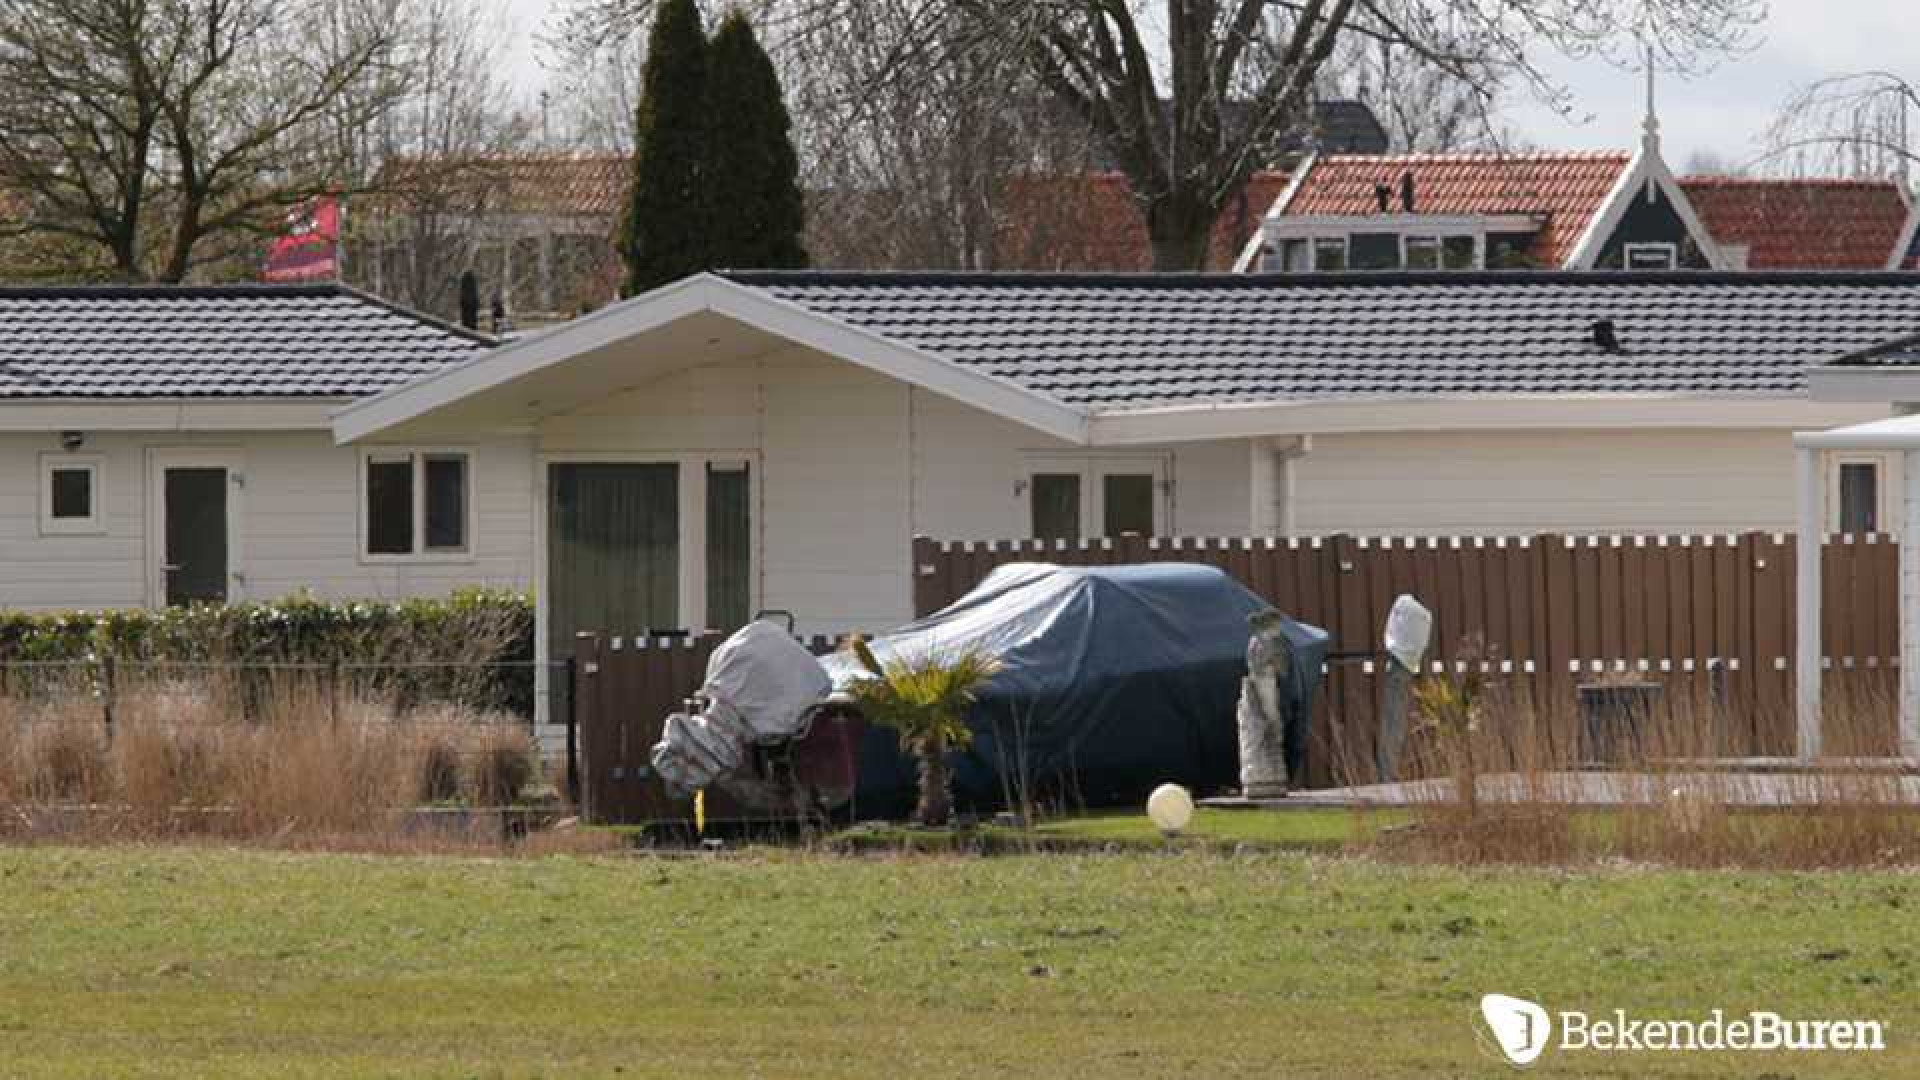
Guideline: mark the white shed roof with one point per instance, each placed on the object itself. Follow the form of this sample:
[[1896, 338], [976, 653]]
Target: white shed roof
[[1893, 433]]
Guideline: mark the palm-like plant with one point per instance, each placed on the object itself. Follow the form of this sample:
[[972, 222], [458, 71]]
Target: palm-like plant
[[925, 697]]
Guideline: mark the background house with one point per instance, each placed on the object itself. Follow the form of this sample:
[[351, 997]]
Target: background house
[[164, 445], [1571, 211]]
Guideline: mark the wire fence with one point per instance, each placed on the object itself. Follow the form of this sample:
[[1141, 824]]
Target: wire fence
[[111, 693]]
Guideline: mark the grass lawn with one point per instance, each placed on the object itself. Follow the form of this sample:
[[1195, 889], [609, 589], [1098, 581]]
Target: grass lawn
[[199, 962]]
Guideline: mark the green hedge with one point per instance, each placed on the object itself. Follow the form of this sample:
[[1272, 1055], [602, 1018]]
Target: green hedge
[[474, 644]]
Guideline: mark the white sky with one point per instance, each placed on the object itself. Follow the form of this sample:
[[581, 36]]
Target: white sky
[[1723, 112]]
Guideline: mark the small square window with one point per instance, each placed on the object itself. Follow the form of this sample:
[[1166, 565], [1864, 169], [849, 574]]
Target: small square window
[[69, 495], [1423, 253], [1652, 257], [1456, 253], [1330, 254]]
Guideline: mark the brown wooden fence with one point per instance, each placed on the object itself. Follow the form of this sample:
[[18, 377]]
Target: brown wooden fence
[[1710, 617], [624, 688]]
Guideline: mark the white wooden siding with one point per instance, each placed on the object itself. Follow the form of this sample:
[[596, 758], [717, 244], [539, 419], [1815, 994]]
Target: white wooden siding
[[299, 523], [1489, 483], [855, 464]]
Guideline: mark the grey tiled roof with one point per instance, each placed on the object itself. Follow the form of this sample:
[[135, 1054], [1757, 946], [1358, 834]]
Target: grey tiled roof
[[242, 341], [1903, 352], [1110, 342]]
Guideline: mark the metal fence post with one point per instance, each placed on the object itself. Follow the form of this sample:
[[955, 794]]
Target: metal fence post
[[573, 730], [107, 681]]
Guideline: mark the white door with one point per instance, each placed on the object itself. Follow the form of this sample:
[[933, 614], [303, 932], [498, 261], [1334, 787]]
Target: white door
[[193, 527]]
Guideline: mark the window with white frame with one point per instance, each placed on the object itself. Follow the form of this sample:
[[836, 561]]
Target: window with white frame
[[1856, 500], [416, 503], [69, 495], [1661, 256], [1074, 498]]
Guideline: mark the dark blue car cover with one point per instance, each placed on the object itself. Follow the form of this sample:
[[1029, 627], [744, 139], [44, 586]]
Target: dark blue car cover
[[1113, 680]]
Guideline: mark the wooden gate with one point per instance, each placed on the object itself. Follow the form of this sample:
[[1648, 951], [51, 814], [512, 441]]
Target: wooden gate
[[625, 687]]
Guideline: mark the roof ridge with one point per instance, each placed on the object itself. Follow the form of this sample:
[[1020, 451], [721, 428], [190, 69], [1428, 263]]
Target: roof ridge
[[1149, 280], [1472, 157], [1789, 181], [87, 291]]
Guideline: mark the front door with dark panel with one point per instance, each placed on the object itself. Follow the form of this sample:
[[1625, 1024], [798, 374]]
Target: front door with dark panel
[[195, 567], [613, 550]]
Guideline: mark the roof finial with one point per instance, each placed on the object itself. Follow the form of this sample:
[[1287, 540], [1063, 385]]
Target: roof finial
[[1650, 127]]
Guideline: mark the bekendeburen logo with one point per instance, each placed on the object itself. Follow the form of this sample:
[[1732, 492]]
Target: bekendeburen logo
[[1522, 1030]]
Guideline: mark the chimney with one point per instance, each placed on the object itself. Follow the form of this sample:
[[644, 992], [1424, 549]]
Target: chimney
[[469, 301], [1406, 191], [1383, 194]]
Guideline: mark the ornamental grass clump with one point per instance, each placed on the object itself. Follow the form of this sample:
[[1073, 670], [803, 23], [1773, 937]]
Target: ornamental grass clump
[[925, 697]]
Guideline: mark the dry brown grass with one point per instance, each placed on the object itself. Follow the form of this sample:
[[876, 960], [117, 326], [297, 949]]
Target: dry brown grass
[[1520, 788], [298, 767]]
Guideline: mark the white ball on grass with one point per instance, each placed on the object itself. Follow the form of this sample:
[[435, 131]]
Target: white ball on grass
[[1170, 807]]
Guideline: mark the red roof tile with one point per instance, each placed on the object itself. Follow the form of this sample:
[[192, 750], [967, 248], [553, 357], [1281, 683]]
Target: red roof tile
[[1565, 189], [1090, 224], [538, 183], [1802, 224]]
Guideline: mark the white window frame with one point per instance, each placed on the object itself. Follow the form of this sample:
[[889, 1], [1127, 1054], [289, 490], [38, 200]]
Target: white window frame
[[1666, 247], [1882, 502], [1346, 249], [94, 523], [418, 456], [1439, 238], [1092, 469]]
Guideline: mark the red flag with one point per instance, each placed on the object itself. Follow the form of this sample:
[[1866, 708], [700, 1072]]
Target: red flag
[[310, 248]]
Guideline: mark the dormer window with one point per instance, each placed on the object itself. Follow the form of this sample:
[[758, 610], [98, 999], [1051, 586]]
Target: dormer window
[[1373, 250], [1652, 256]]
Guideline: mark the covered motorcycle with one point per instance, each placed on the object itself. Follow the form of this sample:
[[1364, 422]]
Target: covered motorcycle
[[763, 727]]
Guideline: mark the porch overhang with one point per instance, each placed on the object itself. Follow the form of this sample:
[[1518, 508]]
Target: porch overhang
[[1898, 434], [703, 320]]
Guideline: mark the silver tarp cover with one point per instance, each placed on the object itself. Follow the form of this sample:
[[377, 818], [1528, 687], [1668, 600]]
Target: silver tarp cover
[[760, 684]]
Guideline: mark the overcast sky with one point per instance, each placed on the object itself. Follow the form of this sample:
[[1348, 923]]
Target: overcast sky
[[1722, 112]]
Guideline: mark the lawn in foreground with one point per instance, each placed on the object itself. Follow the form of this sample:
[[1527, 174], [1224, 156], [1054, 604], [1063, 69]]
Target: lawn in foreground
[[199, 962]]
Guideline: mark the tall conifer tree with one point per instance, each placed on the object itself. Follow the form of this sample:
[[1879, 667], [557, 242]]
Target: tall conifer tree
[[663, 236], [753, 171]]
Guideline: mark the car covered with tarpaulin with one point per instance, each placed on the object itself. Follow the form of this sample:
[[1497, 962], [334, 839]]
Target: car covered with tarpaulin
[[1112, 680]]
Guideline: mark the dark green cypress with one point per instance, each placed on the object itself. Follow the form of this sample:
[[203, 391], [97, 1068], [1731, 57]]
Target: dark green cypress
[[754, 173], [663, 236]]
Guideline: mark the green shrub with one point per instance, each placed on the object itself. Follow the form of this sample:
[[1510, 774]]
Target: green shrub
[[474, 647]]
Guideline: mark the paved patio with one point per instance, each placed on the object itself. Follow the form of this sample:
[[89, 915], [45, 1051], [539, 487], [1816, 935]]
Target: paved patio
[[1755, 783]]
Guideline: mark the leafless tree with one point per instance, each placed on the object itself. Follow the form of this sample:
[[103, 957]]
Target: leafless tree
[[438, 172], [1190, 97], [160, 137], [1424, 108], [1713, 163], [1858, 125], [977, 169]]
